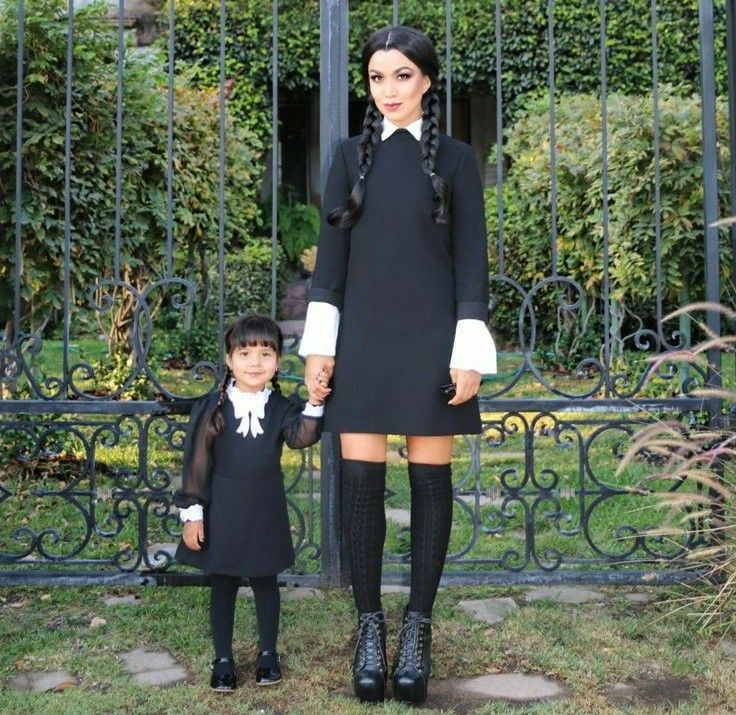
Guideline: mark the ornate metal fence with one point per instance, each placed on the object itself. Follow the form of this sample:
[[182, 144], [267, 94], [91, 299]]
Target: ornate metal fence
[[89, 464]]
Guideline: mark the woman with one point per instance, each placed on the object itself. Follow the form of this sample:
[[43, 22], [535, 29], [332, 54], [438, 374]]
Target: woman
[[397, 310]]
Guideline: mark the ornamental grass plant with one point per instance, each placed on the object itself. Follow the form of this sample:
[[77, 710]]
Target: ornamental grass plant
[[692, 472]]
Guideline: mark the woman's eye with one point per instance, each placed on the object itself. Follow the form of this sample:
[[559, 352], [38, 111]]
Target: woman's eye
[[375, 78], [404, 75]]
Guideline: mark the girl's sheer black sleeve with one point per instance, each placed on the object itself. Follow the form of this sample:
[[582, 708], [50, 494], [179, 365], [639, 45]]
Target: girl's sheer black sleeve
[[300, 430], [195, 480]]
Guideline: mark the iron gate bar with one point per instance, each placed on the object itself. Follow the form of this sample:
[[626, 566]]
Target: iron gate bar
[[731, 62], [499, 142], [710, 194], [657, 169], [169, 142], [221, 188], [120, 60], [333, 126], [448, 67], [487, 404], [604, 192], [275, 149], [552, 132], [18, 256], [67, 196]]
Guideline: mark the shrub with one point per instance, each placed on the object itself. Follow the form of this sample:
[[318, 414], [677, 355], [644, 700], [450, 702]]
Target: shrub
[[631, 202]]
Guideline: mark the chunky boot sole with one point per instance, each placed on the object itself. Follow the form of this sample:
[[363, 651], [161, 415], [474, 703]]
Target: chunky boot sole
[[370, 689], [410, 690]]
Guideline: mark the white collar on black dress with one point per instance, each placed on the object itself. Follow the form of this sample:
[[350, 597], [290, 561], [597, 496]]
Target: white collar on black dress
[[249, 408], [415, 128]]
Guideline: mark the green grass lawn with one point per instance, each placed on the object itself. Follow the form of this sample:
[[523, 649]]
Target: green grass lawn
[[588, 648]]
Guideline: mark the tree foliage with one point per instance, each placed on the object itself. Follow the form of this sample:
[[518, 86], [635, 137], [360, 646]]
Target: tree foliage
[[143, 227]]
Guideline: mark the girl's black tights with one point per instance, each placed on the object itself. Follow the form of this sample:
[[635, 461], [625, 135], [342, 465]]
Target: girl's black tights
[[222, 611]]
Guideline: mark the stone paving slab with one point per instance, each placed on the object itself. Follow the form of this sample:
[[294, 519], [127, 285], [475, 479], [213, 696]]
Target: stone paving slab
[[132, 599], [162, 678], [299, 593], [639, 597], [394, 588], [489, 610], [41, 681], [564, 594], [160, 560], [513, 687], [153, 667], [650, 692], [399, 516], [467, 696]]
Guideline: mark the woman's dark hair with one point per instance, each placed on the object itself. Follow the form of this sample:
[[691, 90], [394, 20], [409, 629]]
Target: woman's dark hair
[[418, 48], [247, 331]]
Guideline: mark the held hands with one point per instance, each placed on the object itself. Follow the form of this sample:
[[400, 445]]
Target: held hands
[[467, 384], [193, 534], [318, 370]]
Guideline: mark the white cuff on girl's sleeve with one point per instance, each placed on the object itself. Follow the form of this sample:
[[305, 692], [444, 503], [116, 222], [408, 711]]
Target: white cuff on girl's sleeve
[[311, 410], [473, 348], [320, 329], [191, 513]]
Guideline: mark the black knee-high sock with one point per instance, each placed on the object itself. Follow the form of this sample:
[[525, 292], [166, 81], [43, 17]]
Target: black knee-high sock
[[268, 609], [364, 526], [222, 613], [431, 522]]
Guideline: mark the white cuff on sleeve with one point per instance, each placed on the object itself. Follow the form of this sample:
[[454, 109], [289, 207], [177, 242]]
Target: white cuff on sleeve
[[473, 348], [320, 329], [311, 410], [191, 513]]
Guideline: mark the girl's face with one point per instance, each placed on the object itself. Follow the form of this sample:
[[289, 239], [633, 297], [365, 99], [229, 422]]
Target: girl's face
[[397, 86], [253, 366]]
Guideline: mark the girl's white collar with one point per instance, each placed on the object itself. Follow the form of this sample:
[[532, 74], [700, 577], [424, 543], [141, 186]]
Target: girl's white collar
[[249, 408]]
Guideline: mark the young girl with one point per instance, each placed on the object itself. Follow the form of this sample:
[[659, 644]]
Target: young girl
[[398, 310], [232, 501]]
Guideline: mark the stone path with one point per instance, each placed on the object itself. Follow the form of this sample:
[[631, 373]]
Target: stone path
[[650, 691], [463, 696], [489, 610], [42, 682], [402, 517], [564, 594], [153, 667], [467, 696]]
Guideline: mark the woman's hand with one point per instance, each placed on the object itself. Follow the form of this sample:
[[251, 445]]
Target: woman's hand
[[318, 370], [467, 384], [193, 534]]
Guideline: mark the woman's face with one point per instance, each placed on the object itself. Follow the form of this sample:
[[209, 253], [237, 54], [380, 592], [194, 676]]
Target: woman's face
[[397, 86]]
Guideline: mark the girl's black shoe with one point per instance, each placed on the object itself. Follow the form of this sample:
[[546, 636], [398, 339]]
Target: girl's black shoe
[[268, 668], [413, 658], [223, 675], [369, 659]]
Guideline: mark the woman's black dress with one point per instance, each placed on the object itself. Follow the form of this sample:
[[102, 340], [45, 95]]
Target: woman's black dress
[[401, 281], [239, 482]]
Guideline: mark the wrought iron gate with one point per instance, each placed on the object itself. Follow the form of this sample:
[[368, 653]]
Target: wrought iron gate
[[88, 472]]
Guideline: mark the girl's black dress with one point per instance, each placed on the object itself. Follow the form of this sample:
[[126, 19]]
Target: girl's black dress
[[239, 482], [401, 281]]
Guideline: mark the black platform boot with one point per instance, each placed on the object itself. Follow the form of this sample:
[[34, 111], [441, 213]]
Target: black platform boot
[[413, 658], [369, 660]]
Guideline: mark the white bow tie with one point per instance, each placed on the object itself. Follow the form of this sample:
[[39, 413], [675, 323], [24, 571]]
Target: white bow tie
[[249, 408]]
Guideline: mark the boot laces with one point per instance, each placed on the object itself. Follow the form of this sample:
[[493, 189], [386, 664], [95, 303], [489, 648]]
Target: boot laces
[[368, 650], [411, 645]]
